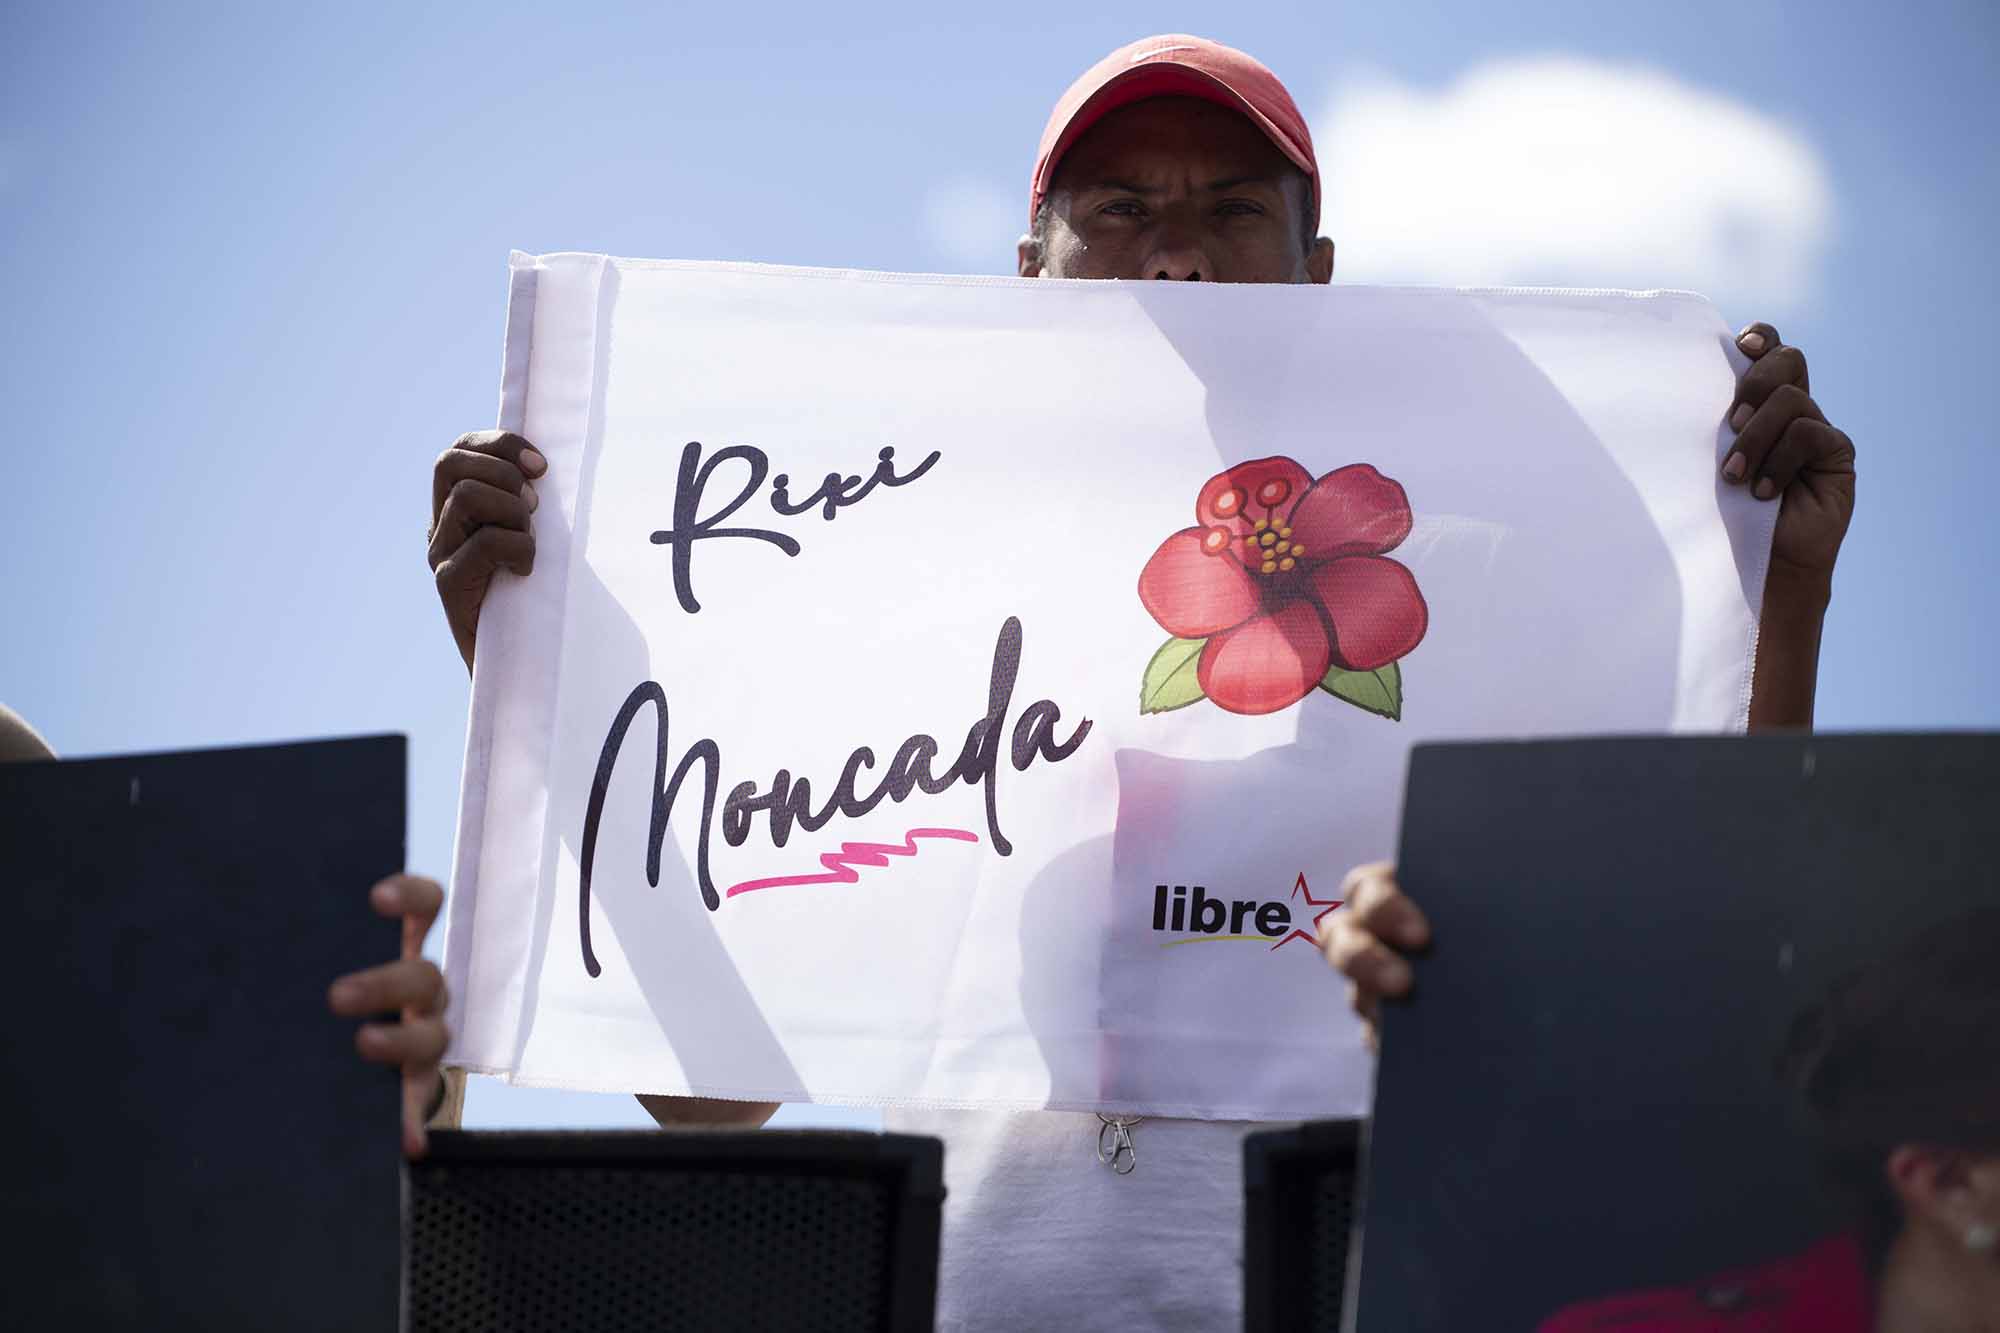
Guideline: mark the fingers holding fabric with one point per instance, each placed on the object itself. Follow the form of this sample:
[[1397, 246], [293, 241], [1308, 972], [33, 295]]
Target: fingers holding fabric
[[1362, 941], [1751, 462], [498, 458]]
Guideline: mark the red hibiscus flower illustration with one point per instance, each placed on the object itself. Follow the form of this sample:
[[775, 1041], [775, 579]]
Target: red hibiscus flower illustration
[[1283, 586]]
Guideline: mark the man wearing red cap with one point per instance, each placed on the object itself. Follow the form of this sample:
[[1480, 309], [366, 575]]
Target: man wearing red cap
[[1176, 158], [1173, 158]]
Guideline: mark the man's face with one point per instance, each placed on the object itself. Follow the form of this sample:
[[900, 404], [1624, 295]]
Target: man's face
[[1177, 188]]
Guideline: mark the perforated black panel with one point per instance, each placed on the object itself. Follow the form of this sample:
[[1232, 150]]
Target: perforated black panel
[[1300, 1195], [599, 1247], [1327, 1243]]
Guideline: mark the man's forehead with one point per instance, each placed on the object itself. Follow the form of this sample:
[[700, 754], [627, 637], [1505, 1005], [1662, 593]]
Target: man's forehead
[[1170, 138]]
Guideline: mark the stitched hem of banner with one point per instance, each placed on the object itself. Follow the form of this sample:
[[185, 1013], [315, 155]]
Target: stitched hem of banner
[[996, 280], [462, 903], [1769, 522], [1172, 1110]]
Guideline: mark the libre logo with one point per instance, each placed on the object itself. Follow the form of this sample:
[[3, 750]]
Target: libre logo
[[1284, 587], [1200, 919]]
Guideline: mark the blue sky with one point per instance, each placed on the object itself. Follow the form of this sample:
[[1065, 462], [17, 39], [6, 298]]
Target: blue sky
[[256, 277]]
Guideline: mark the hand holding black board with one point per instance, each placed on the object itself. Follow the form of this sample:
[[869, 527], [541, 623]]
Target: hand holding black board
[[194, 1142]]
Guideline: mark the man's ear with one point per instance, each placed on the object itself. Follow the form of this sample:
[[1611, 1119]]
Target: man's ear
[[1319, 261], [1935, 1185], [1028, 255]]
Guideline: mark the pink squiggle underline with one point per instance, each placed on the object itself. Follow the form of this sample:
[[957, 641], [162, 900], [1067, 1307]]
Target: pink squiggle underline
[[841, 865]]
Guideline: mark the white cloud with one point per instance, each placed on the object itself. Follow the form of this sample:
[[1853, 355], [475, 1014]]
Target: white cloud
[[1568, 172], [975, 223]]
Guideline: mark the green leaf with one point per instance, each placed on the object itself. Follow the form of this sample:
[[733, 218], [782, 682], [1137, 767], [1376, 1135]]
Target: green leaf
[[1379, 691], [1170, 682]]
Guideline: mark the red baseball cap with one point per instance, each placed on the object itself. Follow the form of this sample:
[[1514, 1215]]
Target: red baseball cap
[[1176, 65]]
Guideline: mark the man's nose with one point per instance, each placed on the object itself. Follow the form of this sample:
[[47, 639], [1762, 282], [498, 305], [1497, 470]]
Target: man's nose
[[1178, 256]]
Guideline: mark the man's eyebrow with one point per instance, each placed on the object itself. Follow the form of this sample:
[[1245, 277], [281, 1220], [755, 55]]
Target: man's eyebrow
[[1231, 182], [1213, 187]]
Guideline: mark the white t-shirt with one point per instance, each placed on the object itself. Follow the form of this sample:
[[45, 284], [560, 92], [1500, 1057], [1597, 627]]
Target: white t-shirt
[[1038, 1234]]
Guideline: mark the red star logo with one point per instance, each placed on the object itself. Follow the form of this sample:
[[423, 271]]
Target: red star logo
[[1325, 905]]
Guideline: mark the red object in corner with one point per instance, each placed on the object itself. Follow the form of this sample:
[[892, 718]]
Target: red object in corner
[[1823, 1290]]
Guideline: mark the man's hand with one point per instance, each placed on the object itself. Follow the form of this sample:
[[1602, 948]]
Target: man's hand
[[480, 502], [1785, 447], [411, 984], [1363, 939]]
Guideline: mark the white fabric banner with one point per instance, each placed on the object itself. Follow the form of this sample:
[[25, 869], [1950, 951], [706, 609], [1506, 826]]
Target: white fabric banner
[[970, 692]]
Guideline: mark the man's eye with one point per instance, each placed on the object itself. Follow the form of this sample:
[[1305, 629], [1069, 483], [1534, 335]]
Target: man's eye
[[1123, 208], [1240, 208]]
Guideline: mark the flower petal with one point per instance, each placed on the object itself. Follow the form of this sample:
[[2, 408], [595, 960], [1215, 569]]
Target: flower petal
[[1232, 497], [1377, 612], [1353, 510], [1270, 663], [1193, 593]]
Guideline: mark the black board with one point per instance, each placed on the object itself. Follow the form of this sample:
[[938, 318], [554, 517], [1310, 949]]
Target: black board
[[193, 1142], [1580, 1099]]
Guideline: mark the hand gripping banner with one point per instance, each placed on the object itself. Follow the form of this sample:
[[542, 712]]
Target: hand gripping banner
[[970, 692]]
